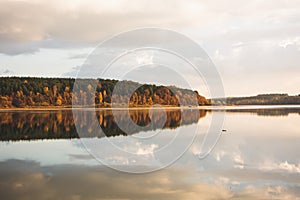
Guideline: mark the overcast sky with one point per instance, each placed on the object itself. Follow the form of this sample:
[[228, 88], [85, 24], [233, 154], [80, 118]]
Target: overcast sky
[[254, 44]]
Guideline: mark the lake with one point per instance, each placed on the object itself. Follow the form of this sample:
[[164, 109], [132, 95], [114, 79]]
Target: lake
[[249, 152]]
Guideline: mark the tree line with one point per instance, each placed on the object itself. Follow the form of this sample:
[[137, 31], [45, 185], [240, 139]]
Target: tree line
[[262, 99], [22, 92]]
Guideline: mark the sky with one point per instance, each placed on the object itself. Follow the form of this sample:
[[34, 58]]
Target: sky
[[255, 45]]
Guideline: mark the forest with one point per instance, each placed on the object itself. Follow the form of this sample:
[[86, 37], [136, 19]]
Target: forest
[[28, 92], [261, 99]]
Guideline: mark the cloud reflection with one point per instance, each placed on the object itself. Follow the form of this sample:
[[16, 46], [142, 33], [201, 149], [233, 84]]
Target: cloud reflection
[[28, 180]]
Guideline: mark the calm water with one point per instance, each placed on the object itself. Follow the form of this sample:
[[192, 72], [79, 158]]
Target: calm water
[[43, 156]]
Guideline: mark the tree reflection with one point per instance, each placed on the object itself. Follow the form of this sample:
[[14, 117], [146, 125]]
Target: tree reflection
[[29, 125], [268, 112]]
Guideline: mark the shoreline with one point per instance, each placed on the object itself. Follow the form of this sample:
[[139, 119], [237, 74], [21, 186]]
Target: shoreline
[[212, 108], [93, 108]]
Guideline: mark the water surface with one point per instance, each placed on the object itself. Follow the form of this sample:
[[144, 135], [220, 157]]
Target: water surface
[[256, 156]]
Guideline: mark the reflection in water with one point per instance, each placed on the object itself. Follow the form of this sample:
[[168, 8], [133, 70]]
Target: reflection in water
[[268, 112], [257, 158], [27, 125], [61, 124], [36, 125], [28, 180], [81, 182]]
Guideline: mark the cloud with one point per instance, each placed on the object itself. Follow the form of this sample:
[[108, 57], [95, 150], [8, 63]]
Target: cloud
[[146, 151], [27, 26], [79, 56], [6, 72], [80, 157], [72, 73], [26, 180], [294, 41], [282, 166]]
